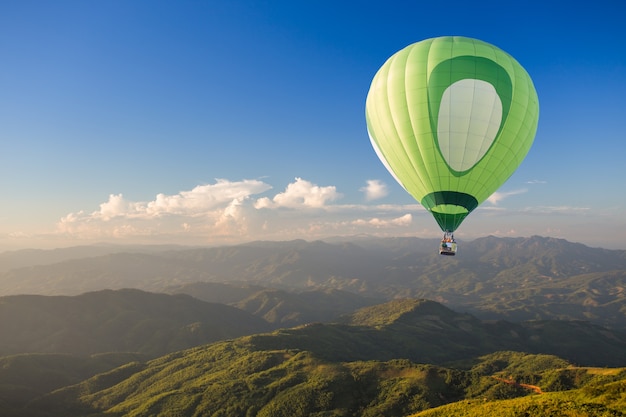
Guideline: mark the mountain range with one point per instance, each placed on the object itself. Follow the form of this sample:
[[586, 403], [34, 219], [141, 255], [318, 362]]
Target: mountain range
[[493, 278], [363, 326]]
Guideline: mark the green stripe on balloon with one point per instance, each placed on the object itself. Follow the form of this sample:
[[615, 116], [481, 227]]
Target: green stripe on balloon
[[452, 201], [466, 67]]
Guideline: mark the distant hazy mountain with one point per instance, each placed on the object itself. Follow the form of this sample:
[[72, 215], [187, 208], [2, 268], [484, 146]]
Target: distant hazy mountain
[[512, 278], [117, 321], [31, 257], [279, 307], [393, 359]]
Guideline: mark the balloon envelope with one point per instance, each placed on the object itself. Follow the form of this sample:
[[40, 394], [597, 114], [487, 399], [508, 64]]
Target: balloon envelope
[[451, 118]]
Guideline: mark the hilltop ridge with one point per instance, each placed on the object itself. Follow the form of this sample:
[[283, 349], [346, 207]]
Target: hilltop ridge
[[117, 321]]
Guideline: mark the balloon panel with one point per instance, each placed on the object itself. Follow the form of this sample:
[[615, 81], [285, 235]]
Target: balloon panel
[[451, 118]]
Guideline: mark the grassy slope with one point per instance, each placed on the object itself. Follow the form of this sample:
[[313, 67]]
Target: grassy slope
[[230, 379], [601, 401], [346, 369]]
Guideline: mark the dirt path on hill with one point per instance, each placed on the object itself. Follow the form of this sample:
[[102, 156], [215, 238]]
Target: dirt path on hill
[[534, 388]]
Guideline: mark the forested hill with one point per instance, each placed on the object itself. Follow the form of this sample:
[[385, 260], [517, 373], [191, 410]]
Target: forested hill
[[425, 331], [393, 359], [117, 321]]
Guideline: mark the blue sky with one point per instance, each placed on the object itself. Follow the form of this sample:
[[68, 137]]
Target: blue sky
[[218, 122]]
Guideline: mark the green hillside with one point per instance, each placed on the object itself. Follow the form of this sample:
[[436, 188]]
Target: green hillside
[[230, 379], [235, 379], [599, 399], [395, 359], [427, 332]]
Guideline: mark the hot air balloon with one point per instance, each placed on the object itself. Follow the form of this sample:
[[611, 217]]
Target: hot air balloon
[[451, 118]]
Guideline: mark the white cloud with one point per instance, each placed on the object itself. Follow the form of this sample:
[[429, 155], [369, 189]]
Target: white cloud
[[539, 211], [301, 194], [374, 190], [496, 197], [560, 210], [229, 212], [116, 206], [19, 235], [199, 200], [376, 222], [219, 209], [536, 182], [205, 197]]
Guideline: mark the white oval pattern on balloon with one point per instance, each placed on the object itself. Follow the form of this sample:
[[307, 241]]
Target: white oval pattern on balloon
[[469, 118]]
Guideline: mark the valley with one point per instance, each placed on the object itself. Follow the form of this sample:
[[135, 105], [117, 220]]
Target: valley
[[365, 327]]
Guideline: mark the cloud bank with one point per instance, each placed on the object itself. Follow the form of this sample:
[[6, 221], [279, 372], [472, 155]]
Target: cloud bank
[[217, 208], [231, 212], [235, 211]]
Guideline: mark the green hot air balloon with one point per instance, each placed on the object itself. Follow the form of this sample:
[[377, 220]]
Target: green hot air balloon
[[451, 118]]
